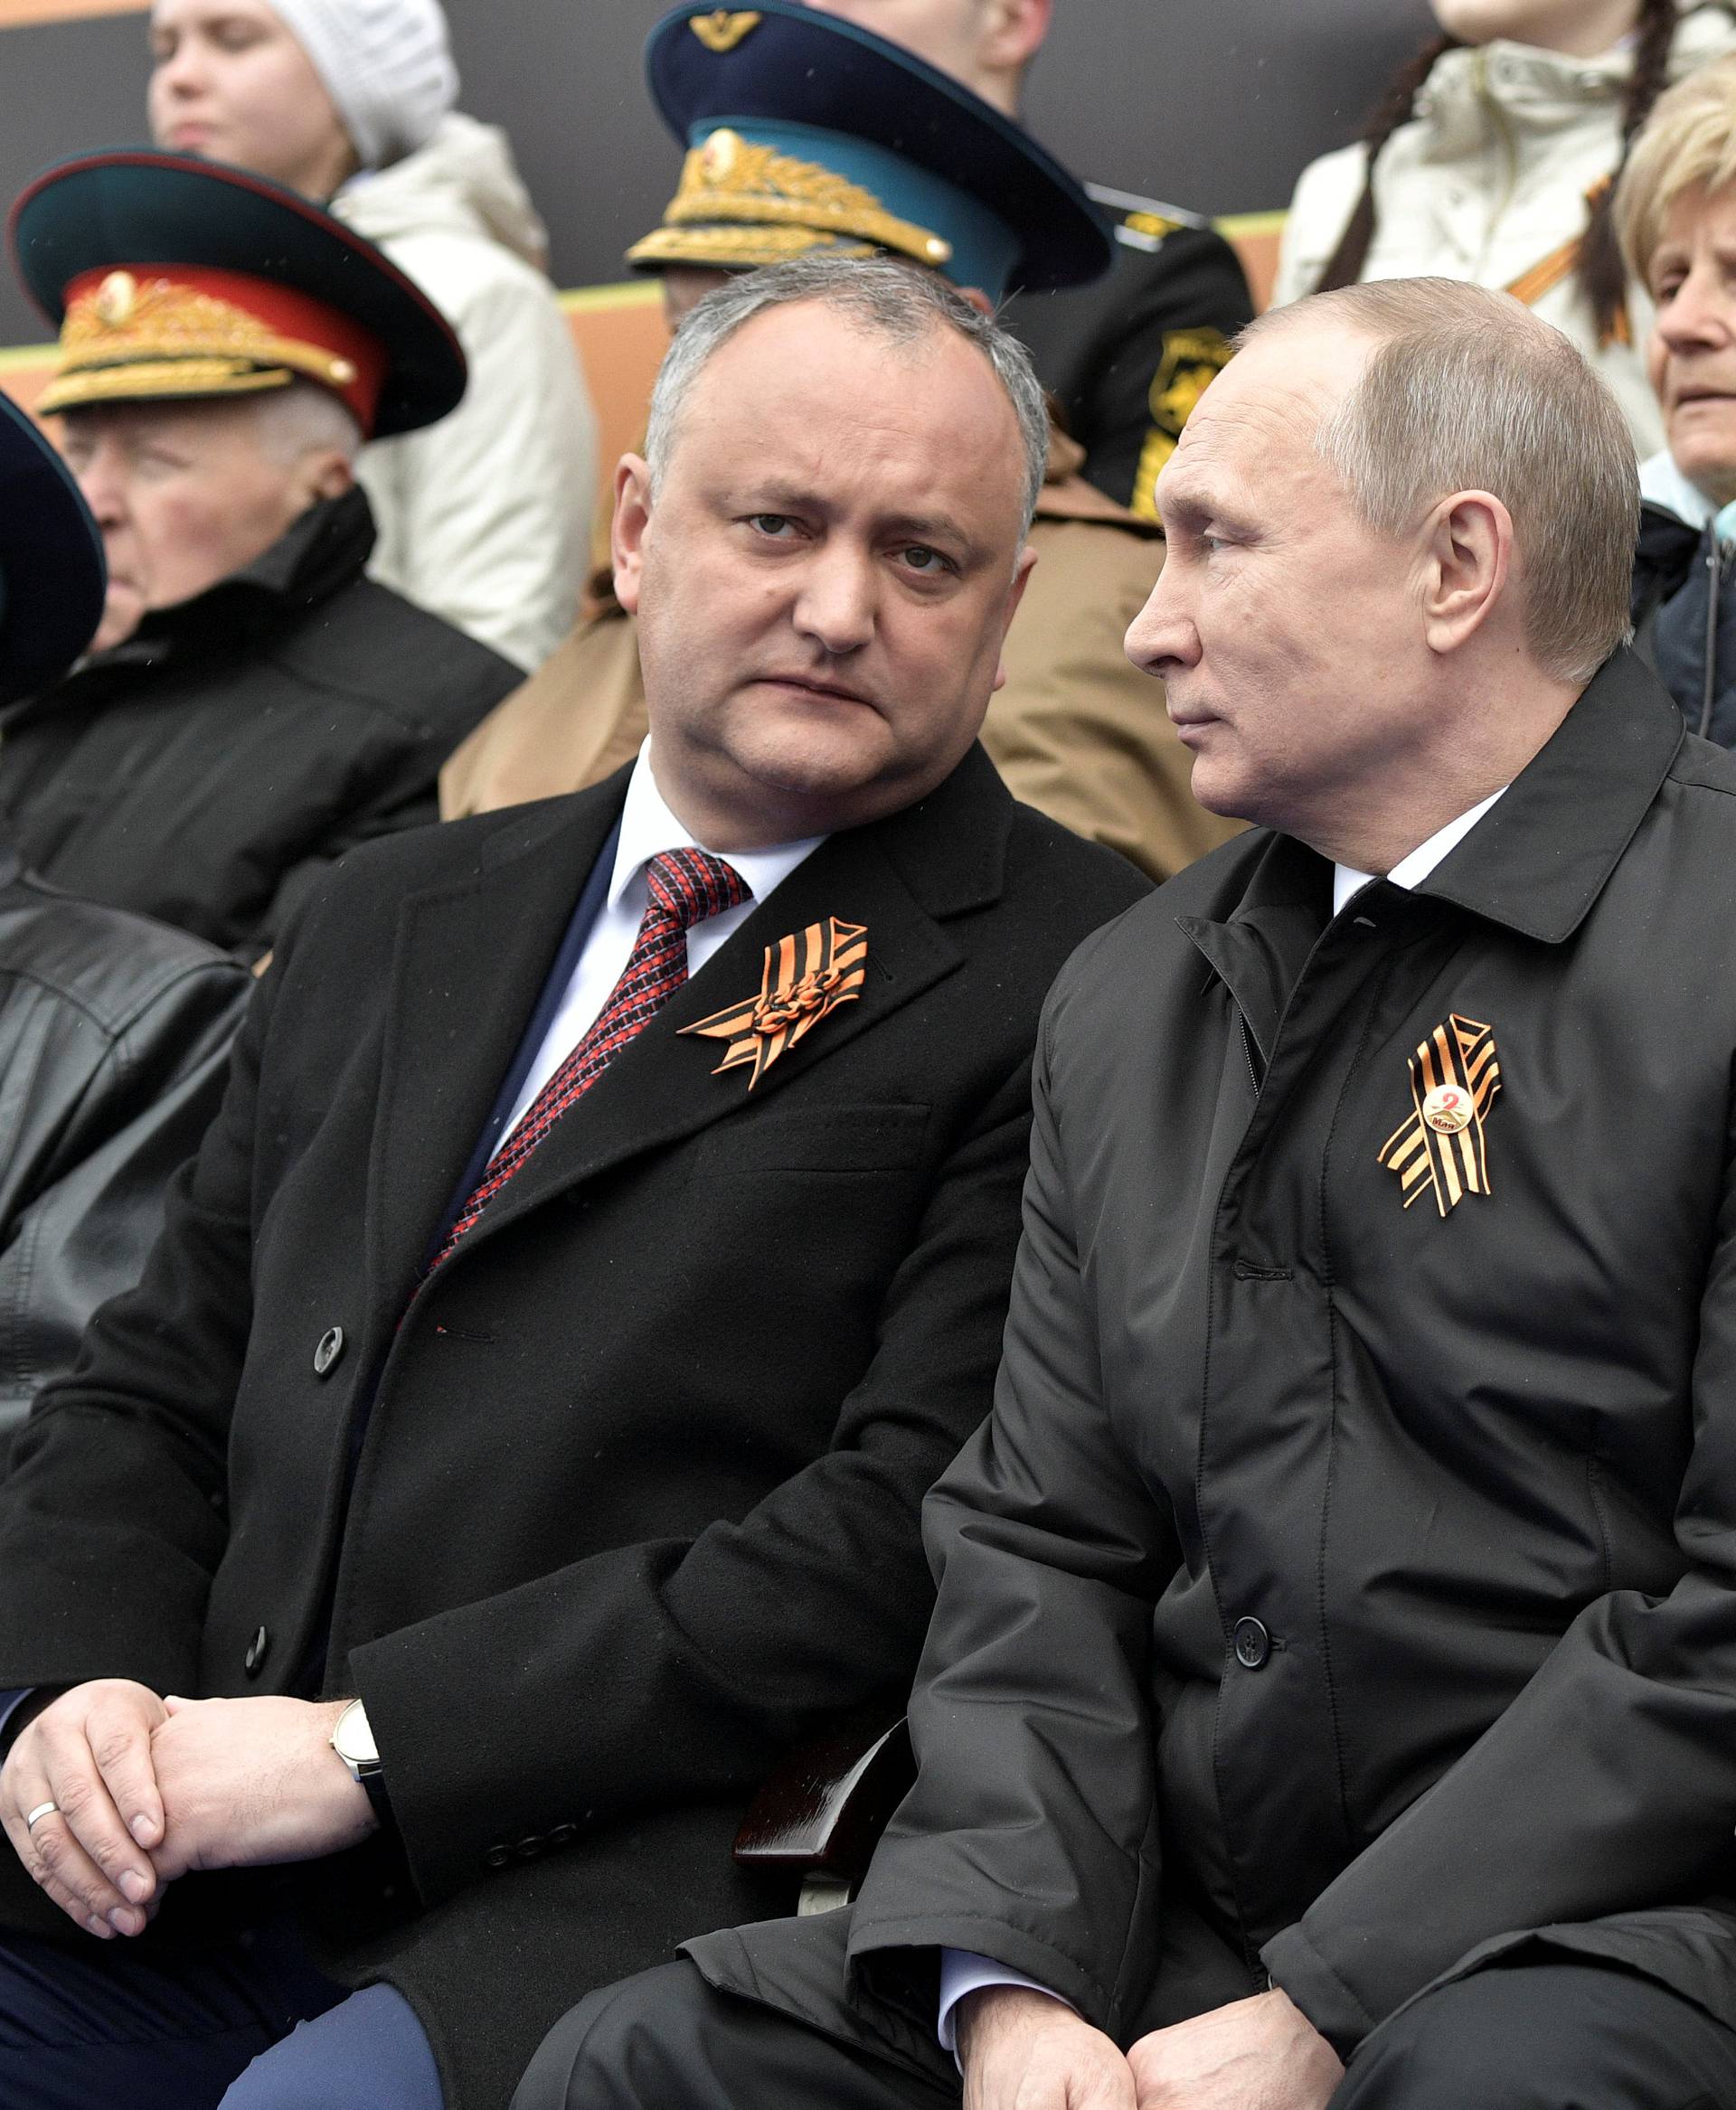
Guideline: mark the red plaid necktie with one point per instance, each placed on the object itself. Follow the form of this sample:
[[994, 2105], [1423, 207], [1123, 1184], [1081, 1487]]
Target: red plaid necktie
[[685, 887]]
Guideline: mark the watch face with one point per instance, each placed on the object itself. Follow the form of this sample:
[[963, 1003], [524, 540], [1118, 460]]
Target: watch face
[[353, 1739]]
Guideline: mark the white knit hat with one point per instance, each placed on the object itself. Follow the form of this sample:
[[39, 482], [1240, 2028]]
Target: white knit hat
[[385, 63]]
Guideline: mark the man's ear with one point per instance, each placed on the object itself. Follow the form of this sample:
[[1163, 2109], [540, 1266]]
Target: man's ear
[[1016, 31], [1020, 580], [329, 474], [1467, 559], [627, 536]]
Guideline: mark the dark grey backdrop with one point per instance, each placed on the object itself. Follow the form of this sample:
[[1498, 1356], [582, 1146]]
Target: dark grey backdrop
[[1212, 103]]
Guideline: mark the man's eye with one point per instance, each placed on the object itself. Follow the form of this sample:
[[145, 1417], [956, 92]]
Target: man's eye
[[778, 525], [918, 557]]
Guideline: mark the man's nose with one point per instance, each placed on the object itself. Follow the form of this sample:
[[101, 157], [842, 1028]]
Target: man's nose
[[837, 601], [1163, 636], [183, 72], [104, 491]]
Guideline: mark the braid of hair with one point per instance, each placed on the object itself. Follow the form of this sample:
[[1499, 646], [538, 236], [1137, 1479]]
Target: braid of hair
[[1602, 276], [1345, 266]]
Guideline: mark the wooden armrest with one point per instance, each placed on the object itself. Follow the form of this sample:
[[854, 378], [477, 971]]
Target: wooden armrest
[[822, 1812]]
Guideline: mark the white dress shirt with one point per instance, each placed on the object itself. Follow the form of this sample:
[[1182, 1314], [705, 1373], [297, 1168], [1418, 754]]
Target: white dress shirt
[[648, 828], [961, 1971]]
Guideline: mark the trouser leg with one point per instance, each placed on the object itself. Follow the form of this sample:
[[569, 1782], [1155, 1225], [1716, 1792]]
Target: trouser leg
[[369, 2052], [1546, 2036], [665, 2040], [148, 2027]]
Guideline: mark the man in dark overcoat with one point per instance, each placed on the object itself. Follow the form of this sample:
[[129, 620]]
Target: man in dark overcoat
[[253, 704], [516, 1445], [1331, 1691]]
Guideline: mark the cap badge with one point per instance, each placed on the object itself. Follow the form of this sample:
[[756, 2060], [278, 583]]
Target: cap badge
[[116, 299], [806, 976], [724, 28], [1454, 1077]]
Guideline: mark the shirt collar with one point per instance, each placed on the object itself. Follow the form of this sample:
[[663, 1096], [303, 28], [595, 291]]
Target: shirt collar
[[1413, 869], [648, 828]]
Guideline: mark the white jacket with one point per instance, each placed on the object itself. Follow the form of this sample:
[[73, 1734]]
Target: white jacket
[[483, 518], [1490, 177]]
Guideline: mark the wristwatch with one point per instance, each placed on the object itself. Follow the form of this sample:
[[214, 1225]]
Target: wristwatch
[[353, 1740]]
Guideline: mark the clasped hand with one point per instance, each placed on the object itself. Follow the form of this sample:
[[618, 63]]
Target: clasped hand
[[1022, 2050], [146, 1788]]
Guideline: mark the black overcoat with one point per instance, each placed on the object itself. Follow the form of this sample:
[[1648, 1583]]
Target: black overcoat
[[1345, 1588], [208, 769], [637, 1508]]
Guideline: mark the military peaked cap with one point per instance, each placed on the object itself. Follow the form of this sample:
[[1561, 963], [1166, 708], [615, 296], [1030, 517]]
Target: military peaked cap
[[807, 135], [171, 278]]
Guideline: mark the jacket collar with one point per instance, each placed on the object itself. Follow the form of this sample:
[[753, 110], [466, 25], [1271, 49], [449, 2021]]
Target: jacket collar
[[1538, 861], [1535, 862], [318, 556], [472, 956]]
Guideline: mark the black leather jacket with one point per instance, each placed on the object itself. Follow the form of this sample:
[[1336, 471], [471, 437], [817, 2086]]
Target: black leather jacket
[[114, 1043]]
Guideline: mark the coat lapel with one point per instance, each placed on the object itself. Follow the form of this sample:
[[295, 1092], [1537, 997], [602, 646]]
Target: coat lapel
[[896, 877], [470, 962]]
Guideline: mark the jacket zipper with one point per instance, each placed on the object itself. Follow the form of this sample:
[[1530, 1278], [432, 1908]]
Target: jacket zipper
[[1714, 581]]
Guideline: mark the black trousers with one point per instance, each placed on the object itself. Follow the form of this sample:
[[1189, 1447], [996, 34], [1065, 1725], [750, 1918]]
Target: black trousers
[[1534, 2036]]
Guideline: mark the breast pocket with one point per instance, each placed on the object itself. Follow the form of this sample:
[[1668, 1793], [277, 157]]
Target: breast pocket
[[807, 1140]]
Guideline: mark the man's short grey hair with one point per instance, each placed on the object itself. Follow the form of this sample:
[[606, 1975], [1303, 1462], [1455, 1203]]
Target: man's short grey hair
[[1468, 390], [900, 303], [305, 418]]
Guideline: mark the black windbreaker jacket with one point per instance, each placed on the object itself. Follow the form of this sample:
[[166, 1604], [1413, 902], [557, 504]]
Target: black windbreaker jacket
[[1346, 1588]]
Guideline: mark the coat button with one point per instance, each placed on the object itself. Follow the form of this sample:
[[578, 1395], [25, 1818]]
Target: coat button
[[330, 1347], [1253, 1645], [498, 1857], [257, 1649]]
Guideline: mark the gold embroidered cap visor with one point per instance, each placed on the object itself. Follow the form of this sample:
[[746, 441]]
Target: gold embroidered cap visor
[[52, 577], [158, 332], [171, 278], [806, 133]]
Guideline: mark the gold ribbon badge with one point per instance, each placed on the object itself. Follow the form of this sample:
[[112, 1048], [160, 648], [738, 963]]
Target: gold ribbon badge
[[807, 976], [1455, 1075]]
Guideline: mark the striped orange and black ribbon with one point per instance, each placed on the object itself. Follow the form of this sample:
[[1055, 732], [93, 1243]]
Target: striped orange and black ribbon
[[806, 976], [1455, 1075]]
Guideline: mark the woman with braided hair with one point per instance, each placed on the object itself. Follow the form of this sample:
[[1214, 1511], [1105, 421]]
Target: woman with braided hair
[[1493, 157]]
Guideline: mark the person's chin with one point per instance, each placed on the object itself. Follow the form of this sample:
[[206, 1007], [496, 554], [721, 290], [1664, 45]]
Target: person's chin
[[121, 616], [1703, 442]]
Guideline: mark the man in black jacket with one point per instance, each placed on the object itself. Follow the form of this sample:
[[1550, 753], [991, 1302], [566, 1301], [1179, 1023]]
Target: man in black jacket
[[114, 1030], [517, 1441], [1335, 1659], [254, 705]]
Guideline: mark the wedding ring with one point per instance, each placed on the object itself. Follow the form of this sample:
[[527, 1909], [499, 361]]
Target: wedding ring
[[38, 1814]]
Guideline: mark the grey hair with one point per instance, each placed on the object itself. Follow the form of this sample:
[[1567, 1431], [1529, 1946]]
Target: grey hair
[[305, 418], [1468, 390], [900, 303]]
